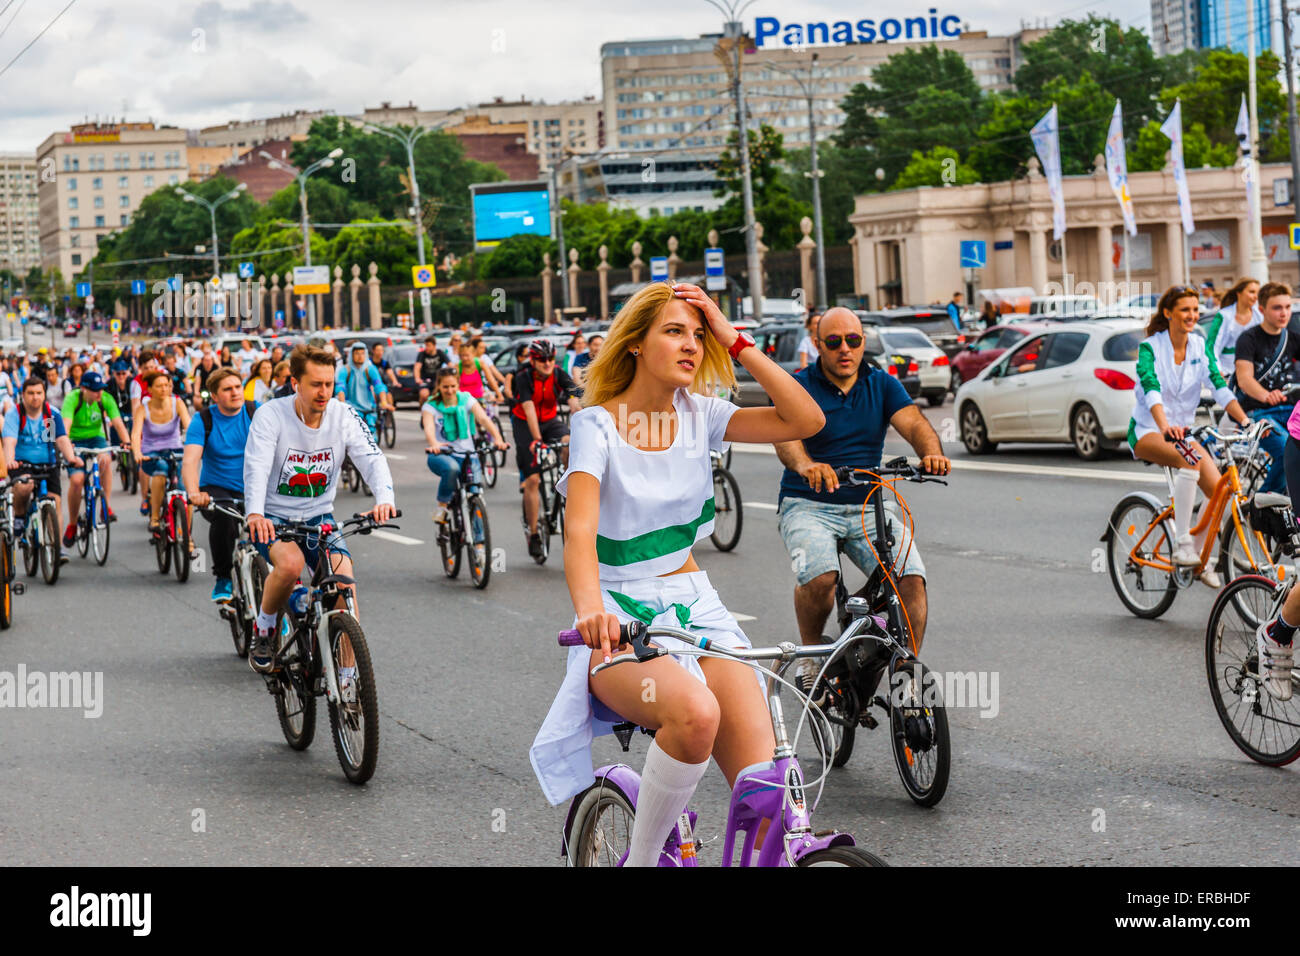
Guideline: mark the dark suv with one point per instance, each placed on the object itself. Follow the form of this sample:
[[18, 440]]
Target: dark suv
[[933, 321]]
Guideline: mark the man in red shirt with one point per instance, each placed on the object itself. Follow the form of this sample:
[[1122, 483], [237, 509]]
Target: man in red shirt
[[538, 389]]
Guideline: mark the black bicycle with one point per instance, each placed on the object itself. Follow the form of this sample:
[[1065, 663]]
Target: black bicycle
[[914, 705], [304, 667], [467, 528], [488, 453], [728, 512], [128, 472], [248, 575], [9, 588], [550, 510], [387, 427]]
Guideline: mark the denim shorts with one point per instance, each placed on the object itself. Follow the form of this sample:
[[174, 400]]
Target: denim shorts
[[156, 466], [97, 441], [811, 530], [334, 544]]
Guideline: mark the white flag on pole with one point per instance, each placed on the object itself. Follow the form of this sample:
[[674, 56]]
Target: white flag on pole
[[1173, 128], [1247, 166], [1117, 169], [1047, 145]]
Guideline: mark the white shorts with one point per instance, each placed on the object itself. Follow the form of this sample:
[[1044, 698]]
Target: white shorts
[[561, 752]]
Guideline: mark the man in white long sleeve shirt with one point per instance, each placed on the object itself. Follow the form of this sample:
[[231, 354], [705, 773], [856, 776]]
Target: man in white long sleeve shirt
[[292, 461]]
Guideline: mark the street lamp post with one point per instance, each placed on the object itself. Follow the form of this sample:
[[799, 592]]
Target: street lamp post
[[815, 174], [408, 137], [301, 175], [735, 30], [211, 207]]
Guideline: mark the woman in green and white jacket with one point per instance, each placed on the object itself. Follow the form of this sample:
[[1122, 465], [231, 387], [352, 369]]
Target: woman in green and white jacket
[[1173, 364], [1238, 312]]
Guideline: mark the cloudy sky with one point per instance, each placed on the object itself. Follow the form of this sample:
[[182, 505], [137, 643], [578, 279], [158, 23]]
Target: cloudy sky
[[201, 63]]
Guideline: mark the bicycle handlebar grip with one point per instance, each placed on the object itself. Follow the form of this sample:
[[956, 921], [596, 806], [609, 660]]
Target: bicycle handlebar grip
[[626, 634], [570, 638]]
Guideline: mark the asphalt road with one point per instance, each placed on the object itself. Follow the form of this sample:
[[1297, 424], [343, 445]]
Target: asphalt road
[[1100, 717]]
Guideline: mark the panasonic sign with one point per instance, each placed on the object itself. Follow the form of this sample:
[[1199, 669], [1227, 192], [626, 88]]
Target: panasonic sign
[[769, 31]]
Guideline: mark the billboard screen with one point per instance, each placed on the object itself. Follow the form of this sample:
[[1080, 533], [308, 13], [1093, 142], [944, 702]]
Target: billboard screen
[[502, 210]]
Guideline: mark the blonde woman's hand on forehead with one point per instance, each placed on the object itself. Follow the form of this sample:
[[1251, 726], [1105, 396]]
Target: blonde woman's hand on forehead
[[717, 322]]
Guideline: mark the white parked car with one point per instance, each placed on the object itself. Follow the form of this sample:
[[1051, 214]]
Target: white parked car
[[932, 364], [1069, 384]]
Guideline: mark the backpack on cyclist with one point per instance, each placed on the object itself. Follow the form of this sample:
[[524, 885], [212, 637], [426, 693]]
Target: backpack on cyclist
[[206, 415], [75, 399]]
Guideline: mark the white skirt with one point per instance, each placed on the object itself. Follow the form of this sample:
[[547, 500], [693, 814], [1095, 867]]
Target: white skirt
[[561, 752]]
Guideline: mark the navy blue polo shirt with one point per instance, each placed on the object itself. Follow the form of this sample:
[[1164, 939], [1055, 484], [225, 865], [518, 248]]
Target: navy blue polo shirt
[[854, 433]]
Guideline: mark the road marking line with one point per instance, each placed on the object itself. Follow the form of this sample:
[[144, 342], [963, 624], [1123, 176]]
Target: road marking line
[[749, 449], [394, 455], [741, 618], [760, 504], [398, 538]]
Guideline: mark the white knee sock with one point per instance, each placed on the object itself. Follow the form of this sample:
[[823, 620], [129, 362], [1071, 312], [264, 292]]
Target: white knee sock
[[1184, 501], [666, 787]]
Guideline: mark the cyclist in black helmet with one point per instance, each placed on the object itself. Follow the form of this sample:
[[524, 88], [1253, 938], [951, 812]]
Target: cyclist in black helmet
[[538, 389]]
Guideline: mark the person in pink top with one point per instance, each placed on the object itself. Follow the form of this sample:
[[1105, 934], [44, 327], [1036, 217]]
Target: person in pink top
[[472, 375]]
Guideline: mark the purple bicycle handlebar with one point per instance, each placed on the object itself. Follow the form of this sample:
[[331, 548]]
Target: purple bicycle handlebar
[[570, 638]]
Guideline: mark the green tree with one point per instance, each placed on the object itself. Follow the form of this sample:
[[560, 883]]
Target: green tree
[[939, 167], [1120, 62], [837, 186], [766, 149], [1198, 149], [1212, 98], [392, 248], [515, 257]]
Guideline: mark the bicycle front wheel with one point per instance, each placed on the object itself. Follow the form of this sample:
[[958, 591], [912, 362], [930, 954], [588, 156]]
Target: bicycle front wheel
[[1144, 589], [919, 727], [6, 583], [450, 536], [99, 532], [83, 530], [478, 541], [1265, 729], [295, 703], [355, 724], [728, 515], [489, 463], [841, 856], [601, 834], [31, 551], [181, 539], [51, 548], [390, 430]]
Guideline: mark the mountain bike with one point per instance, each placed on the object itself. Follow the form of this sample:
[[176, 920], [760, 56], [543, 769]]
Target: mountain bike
[[1264, 728], [466, 527], [728, 512], [93, 525], [1140, 540], [40, 542], [550, 509], [9, 588], [128, 472], [913, 704], [387, 427], [598, 829], [303, 666], [173, 546], [487, 453], [247, 578]]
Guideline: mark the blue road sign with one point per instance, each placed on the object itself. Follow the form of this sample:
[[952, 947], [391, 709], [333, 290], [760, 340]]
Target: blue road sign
[[245, 270], [973, 254], [138, 287], [83, 289], [715, 273], [279, 315], [658, 268]]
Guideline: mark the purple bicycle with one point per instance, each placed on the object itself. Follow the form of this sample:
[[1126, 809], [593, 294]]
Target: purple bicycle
[[598, 829]]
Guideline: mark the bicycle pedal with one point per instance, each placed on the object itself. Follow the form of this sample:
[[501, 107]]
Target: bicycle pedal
[[868, 721], [18, 588]]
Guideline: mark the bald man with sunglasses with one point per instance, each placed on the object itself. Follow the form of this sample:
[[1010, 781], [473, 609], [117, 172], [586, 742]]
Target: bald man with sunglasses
[[817, 513]]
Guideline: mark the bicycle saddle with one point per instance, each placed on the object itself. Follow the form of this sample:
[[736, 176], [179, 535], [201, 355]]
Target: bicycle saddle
[[1268, 499]]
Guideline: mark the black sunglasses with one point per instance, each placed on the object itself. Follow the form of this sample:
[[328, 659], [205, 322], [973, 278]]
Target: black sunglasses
[[833, 342]]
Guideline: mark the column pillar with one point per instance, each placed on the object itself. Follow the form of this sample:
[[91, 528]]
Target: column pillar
[[1105, 264], [1038, 260], [1173, 255], [1241, 254]]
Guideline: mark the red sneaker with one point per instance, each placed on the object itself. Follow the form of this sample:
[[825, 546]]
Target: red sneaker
[[70, 536]]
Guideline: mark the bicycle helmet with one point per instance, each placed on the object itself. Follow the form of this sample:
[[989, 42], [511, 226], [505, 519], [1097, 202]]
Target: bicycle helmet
[[541, 349]]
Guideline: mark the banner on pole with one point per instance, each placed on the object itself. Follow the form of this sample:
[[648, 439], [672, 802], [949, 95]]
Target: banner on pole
[[1173, 128], [1047, 144], [1117, 169]]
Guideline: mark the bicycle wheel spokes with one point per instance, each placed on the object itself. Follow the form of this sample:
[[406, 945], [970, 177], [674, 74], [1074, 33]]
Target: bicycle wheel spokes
[[922, 751], [478, 544], [606, 833], [1264, 728], [1134, 548], [99, 532], [355, 723]]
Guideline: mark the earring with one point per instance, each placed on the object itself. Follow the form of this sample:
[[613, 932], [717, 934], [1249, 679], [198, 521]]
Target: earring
[[636, 353]]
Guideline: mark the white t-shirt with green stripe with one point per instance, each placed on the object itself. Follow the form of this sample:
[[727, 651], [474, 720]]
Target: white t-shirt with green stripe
[[654, 505]]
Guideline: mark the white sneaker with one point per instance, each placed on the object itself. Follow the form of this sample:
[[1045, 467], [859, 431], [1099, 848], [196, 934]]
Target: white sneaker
[[441, 516], [1274, 663], [1185, 555], [1210, 577]]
